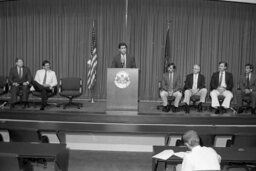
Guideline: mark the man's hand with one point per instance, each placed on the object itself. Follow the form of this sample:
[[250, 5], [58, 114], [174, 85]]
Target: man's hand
[[47, 85], [221, 89], [170, 93], [25, 83], [247, 91], [15, 84], [194, 91]]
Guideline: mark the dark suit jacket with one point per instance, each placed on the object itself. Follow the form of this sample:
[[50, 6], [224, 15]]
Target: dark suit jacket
[[243, 82], [166, 82], [130, 62], [189, 82], [214, 84], [14, 76]]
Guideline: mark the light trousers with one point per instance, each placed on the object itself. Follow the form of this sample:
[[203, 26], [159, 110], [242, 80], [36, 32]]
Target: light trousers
[[226, 103], [176, 94], [188, 93]]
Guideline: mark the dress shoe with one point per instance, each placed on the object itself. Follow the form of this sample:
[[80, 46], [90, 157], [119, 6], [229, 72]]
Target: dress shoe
[[223, 110], [174, 109], [240, 110], [42, 107], [165, 109], [253, 111], [12, 106], [186, 108], [200, 107], [217, 111], [25, 105]]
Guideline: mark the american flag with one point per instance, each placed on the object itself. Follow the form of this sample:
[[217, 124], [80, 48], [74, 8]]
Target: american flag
[[91, 76]]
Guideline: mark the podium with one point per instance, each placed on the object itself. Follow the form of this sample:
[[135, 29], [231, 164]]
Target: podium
[[122, 91]]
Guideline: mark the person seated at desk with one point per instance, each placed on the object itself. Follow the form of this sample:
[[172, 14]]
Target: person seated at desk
[[123, 60], [199, 157], [19, 80], [221, 84], [195, 85], [171, 87], [247, 85], [45, 81]]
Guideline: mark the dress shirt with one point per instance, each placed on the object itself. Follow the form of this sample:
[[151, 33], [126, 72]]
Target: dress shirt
[[223, 81], [50, 80], [195, 78], [171, 81], [123, 60], [20, 71], [249, 76], [201, 158]]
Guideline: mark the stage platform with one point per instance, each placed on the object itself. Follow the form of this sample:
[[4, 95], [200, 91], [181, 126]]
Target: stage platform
[[147, 114], [90, 128]]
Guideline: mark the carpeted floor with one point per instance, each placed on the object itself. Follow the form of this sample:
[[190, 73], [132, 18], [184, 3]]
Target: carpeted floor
[[109, 161]]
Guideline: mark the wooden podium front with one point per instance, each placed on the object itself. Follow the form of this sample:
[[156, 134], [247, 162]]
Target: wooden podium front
[[122, 91]]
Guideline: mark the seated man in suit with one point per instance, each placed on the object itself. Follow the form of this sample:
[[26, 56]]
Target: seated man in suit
[[19, 80], [221, 84], [45, 81], [171, 87], [247, 84], [194, 85], [123, 60], [199, 157]]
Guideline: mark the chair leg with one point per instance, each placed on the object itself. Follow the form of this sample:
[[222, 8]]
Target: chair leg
[[71, 103], [2, 105]]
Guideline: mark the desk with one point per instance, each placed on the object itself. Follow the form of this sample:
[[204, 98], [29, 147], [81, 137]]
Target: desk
[[57, 152], [228, 154]]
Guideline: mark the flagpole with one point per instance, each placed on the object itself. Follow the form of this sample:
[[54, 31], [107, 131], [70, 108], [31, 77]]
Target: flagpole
[[91, 94], [91, 91], [91, 64]]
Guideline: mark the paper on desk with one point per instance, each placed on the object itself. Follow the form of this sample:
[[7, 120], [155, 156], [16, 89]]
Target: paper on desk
[[164, 155], [180, 154]]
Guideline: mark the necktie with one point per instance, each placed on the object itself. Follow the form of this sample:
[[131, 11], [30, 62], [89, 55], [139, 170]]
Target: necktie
[[220, 80], [171, 81], [45, 76], [247, 81], [123, 61], [20, 72]]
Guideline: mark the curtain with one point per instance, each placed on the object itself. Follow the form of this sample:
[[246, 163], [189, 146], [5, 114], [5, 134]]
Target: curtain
[[59, 31], [201, 32]]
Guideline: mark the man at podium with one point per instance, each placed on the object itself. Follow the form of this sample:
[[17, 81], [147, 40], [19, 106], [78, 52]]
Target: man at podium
[[123, 60]]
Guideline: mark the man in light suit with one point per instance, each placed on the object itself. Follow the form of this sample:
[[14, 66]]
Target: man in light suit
[[195, 85], [171, 86], [123, 60], [247, 85], [19, 80], [44, 82], [221, 84]]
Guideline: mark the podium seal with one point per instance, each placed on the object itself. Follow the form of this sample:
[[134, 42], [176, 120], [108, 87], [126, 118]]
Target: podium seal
[[122, 79]]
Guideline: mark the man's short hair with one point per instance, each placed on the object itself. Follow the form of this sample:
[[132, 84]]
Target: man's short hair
[[122, 44], [171, 64], [191, 137], [45, 62], [249, 65], [16, 60], [223, 62]]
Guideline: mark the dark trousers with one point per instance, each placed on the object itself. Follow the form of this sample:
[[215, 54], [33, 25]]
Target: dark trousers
[[21, 90], [241, 95], [44, 90]]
